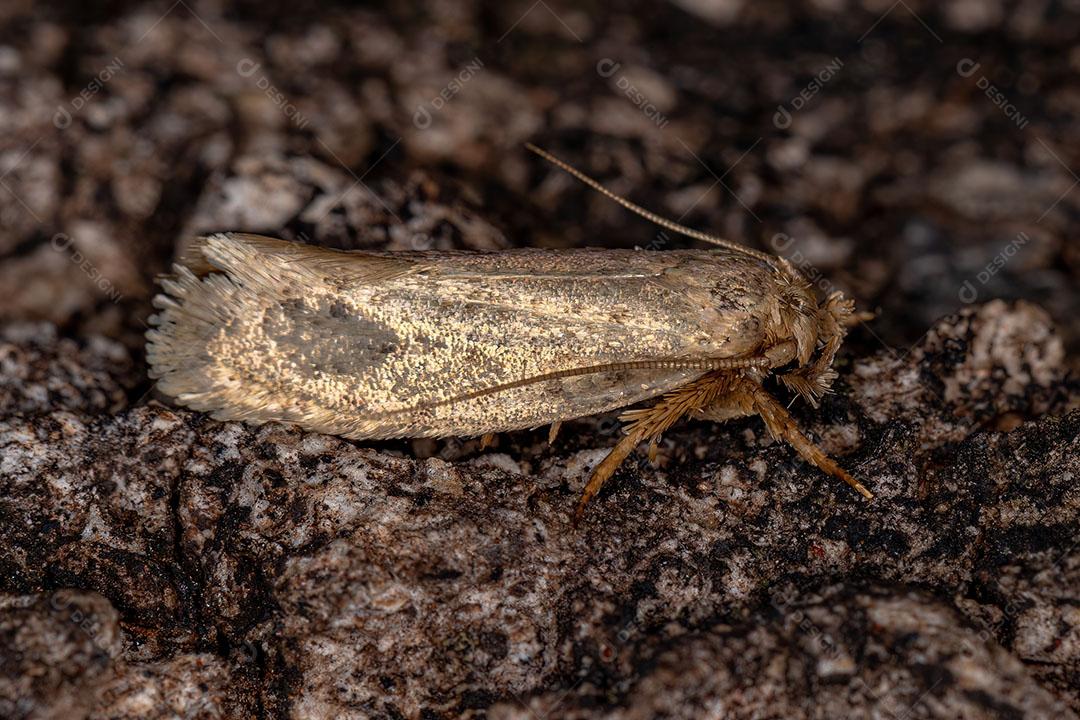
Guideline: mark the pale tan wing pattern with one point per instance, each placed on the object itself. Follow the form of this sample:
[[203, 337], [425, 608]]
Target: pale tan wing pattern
[[382, 345], [242, 255]]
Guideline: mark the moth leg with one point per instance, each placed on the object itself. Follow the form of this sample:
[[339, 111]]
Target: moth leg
[[606, 469], [653, 450], [652, 422], [782, 427], [553, 431], [860, 316]]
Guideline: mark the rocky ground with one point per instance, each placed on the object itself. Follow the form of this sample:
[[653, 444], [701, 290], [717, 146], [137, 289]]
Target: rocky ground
[[919, 156], [159, 562]]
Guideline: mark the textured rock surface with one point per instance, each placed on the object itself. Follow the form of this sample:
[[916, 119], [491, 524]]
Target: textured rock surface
[[302, 575], [63, 657], [882, 653], [41, 372], [156, 564], [926, 159]]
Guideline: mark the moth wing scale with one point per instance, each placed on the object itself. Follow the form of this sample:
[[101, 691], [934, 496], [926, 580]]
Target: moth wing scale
[[243, 254]]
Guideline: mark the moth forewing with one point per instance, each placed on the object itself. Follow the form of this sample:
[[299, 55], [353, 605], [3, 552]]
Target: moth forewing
[[372, 346], [433, 344]]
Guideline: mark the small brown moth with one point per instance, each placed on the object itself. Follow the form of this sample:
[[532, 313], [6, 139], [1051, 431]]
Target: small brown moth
[[436, 344]]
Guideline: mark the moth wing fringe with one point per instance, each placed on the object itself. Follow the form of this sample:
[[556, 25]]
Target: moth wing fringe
[[192, 311]]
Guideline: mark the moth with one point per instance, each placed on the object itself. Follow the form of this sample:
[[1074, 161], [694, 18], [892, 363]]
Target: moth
[[377, 345]]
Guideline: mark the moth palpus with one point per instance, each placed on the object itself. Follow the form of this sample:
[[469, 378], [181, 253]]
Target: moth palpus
[[375, 345]]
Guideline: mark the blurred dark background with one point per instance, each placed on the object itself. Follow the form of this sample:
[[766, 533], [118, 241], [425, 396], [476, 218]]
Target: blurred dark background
[[917, 155]]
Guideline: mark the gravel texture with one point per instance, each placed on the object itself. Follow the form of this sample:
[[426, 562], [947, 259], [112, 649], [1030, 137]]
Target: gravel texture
[[919, 156], [302, 575]]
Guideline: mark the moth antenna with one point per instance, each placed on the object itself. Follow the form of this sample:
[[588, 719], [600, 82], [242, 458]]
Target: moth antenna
[[648, 215], [659, 364]]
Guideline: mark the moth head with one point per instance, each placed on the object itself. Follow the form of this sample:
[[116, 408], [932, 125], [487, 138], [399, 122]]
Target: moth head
[[812, 327], [796, 311]]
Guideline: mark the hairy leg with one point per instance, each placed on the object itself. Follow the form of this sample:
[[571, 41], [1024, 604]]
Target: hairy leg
[[782, 427], [650, 423], [553, 431], [718, 395]]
